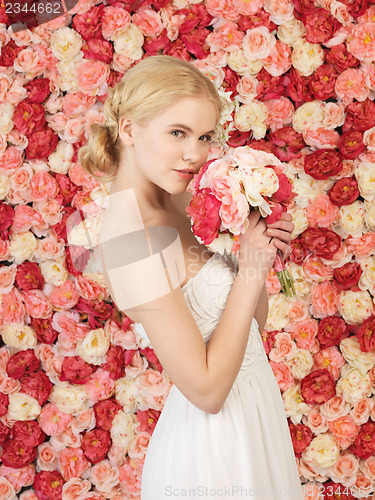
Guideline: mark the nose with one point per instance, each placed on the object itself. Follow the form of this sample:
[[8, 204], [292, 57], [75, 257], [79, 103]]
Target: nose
[[193, 151]]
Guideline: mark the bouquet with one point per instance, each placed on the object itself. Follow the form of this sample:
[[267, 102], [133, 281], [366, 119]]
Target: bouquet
[[226, 189]]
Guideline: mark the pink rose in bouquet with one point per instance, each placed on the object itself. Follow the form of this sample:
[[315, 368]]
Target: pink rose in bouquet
[[227, 189]]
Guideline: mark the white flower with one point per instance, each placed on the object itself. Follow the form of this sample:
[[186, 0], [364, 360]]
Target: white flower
[[86, 232], [299, 220], [300, 363], [5, 185], [308, 115], [307, 57], [6, 117], [241, 64], [351, 218], [94, 346], [66, 44], [291, 31], [322, 451], [67, 78], [365, 175], [22, 407], [69, 398], [301, 285], [126, 393], [130, 42], [353, 385], [54, 271], [370, 215], [123, 429], [278, 316], [61, 159], [367, 279], [252, 116], [355, 307], [19, 336], [351, 350], [294, 405]]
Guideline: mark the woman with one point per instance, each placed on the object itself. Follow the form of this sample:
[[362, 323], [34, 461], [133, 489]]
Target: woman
[[223, 430]]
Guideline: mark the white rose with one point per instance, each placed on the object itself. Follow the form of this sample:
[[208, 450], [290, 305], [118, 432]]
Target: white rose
[[370, 215], [123, 429], [54, 271], [353, 385], [367, 279], [351, 350], [130, 42], [183, 4], [301, 285], [309, 115], [126, 394], [221, 244], [6, 117], [299, 220], [22, 407], [278, 316], [351, 218], [94, 346], [5, 186], [67, 77], [300, 363], [61, 159], [290, 31], [365, 175], [294, 405], [19, 336], [66, 44], [85, 233], [69, 398], [252, 116], [22, 246], [355, 307], [323, 451], [307, 57], [238, 62]]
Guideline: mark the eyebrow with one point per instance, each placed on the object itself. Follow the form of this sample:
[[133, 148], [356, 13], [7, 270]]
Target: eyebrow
[[180, 125]]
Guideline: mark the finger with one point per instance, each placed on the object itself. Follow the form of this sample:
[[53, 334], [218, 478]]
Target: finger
[[282, 235], [281, 224], [283, 247]]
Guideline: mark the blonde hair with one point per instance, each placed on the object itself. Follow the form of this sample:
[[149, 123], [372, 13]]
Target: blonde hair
[[146, 91]]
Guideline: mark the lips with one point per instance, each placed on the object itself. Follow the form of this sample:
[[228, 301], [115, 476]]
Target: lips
[[186, 171]]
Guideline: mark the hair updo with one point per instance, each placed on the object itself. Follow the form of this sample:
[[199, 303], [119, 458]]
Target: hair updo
[[147, 89]]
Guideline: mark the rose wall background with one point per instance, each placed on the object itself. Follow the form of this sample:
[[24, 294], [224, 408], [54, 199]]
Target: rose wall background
[[80, 394]]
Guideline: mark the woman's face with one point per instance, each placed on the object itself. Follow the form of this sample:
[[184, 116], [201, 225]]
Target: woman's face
[[178, 139]]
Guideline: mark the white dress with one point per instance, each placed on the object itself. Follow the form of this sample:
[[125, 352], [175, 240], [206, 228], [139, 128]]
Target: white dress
[[245, 450]]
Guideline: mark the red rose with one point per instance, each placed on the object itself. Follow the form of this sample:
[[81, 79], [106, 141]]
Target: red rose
[[114, 362], [22, 362], [9, 53], [204, 211], [299, 252], [195, 42], [153, 45], [288, 143], [261, 18], [98, 50], [66, 187], [331, 331], [322, 82], [76, 370], [323, 164], [262, 145], [344, 192], [38, 90], [359, 115], [298, 87], [147, 420], [195, 15], [230, 81], [4, 403], [96, 311], [318, 387], [347, 276], [269, 87], [237, 138], [303, 6], [37, 385], [17, 454], [4, 433], [76, 259], [44, 330], [268, 339], [29, 277], [341, 57], [151, 357], [28, 117], [89, 25], [321, 241], [356, 8], [114, 77], [95, 445], [364, 444], [277, 210], [301, 437], [60, 227], [351, 144], [6, 216], [41, 143], [48, 485], [105, 411], [320, 25], [366, 334], [28, 432]]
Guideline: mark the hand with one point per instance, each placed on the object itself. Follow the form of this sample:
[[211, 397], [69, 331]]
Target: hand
[[282, 231]]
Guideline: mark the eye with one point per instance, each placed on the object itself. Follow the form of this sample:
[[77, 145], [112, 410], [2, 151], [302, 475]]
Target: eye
[[209, 138], [178, 131]]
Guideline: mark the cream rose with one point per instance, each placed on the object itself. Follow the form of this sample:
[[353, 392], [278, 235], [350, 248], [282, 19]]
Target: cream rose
[[367, 279], [370, 215], [22, 407], [66, 44], [126, 393], [301, 285], [355, 307], [130, 42], [54, 271], [291, 31], [19, 336], [69, 398], [278, 316], [5, 186], [294, 405], [61, 159], [22, 246], [352, 353], [365, 175], [123, 429], [353, 385], [252, 116], [323, 451], [299, 220], [94, 346], [67, 78], [351, 218], [6, 117], [238, 62], [309, 115], [300, 363], [307, 57]]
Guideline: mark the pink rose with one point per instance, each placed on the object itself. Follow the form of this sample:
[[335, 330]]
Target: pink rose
[[37, 304], [43, 186], [282, 374], [258, 43], [10, 161], [105, 476], [284, 347], [330, 358], [72, 462], [91, 75], [64, 296], [47, 457], [316, 421], [114, 20], [52, 420], [279, 59], [75, 487], [324, 299]]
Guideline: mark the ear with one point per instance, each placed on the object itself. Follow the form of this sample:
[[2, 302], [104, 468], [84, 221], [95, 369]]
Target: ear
[[126, 130]]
